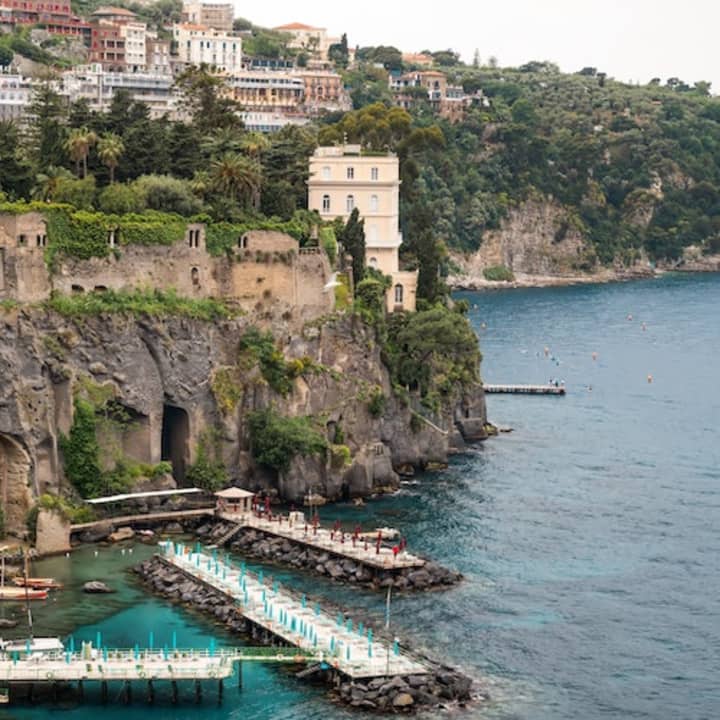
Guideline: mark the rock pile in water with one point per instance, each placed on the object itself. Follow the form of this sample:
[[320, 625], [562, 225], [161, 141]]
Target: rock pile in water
[[442, 686], [270, 548]]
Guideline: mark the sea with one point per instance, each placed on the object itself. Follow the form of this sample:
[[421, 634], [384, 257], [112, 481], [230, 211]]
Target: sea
[[589, 535]]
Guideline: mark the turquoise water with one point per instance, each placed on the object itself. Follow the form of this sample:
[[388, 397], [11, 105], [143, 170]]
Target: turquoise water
[[589, 536]]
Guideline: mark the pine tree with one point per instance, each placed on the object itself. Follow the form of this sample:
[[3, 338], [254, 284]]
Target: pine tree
[[353, 242]]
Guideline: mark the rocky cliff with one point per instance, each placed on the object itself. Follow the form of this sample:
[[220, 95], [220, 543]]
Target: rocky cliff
[[178, 382], [541, 243]]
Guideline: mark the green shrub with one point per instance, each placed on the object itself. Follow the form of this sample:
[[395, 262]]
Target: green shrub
[[276, 439], [498, 273], [208, 471], [259, 347], [76, 192], [155, 303], [376, 404], [118, 199], [340, 456], [81, 452]]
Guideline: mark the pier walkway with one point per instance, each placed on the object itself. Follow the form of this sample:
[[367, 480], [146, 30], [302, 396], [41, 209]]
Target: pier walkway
[[129, 665], [526, 389], [322, 539], [144, 518], [348, 648]]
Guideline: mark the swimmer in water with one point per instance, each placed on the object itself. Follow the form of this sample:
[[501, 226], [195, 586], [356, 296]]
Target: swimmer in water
[[594, 356], [650, 378], [629, 317], [644, 327]]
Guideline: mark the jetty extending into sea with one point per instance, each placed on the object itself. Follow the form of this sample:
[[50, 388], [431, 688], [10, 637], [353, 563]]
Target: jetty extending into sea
[[349, 648], [525, 389]]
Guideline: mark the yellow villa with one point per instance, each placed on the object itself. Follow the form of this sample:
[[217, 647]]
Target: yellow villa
[[343, 178]]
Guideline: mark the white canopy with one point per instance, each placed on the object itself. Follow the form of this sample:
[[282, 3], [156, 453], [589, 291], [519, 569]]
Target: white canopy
[[234, 493], [137, 496]]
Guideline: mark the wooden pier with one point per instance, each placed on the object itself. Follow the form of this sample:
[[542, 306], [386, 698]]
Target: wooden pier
[[525, 389], [350, 649], [363, 550]]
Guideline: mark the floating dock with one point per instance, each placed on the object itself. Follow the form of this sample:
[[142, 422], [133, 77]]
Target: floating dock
[[350, 649], [336, 542], [525, 389]]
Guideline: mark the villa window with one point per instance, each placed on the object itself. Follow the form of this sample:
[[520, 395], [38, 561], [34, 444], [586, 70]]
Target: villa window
[[373, 262], [373, 203], [398, 294], [326, 203], [195, 277], [351, 173], [349, 203], [326, 173], [374, 173]]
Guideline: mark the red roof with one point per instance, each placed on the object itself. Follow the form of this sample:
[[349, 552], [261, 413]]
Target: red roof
[[110, 10], [296, 26]]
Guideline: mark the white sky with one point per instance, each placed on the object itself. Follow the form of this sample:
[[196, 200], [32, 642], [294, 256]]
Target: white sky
[[631, 40]]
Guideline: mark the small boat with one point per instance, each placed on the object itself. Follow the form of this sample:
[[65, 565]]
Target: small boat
[[4, 696], [38, 583], [18, 594]]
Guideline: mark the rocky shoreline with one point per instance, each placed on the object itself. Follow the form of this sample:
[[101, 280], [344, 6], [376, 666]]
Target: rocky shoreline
[[441, 688], [270, 548]]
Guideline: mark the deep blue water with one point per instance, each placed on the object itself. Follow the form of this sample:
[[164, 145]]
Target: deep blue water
[[590, 535]]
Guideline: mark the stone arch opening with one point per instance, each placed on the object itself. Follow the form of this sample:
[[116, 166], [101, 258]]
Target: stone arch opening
[[15, 491], [175, 440]]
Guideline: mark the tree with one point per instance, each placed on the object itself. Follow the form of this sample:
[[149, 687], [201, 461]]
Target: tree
[[353, 242], [119, 199], [169, 194], [78, 146], [429, 252], [338, 52], [209, 109], [238, 177], [47, 183], [109, 149], [6, 56], [75, 191], [47, 129], [16, 177], [476, 58]]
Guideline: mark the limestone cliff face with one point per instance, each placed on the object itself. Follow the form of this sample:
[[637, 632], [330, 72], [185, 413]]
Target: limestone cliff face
[[166, 375], [537, 238]]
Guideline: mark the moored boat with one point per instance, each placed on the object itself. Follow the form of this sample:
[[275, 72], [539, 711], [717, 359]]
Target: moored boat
[[37, 583], [19, 594]]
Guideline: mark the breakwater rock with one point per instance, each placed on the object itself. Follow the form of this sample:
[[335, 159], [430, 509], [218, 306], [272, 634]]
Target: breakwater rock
[[442, 686], [271, 548]]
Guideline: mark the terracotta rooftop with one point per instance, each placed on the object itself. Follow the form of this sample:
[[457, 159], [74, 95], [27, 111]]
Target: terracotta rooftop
[[296, 26], [111, 10]]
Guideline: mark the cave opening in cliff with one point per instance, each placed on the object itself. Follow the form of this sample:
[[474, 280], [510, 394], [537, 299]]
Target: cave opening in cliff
[[175, 436], [14, 483]]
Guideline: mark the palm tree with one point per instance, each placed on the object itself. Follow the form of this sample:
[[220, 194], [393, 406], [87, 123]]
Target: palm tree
[[238, 177], [78, 146], [46, 184], [110, 148], [254, 144]]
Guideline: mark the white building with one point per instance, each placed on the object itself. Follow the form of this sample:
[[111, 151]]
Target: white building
[[343, 178], [198, 44], [15, 96], [98, 86], [267, 122], [134, 34]]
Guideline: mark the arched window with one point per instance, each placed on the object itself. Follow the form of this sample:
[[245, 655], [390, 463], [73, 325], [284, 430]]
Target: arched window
[[373, 203], [372, 262], [398, 294], [243, 242], [326, 203], [349, 203], [195, 277]]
